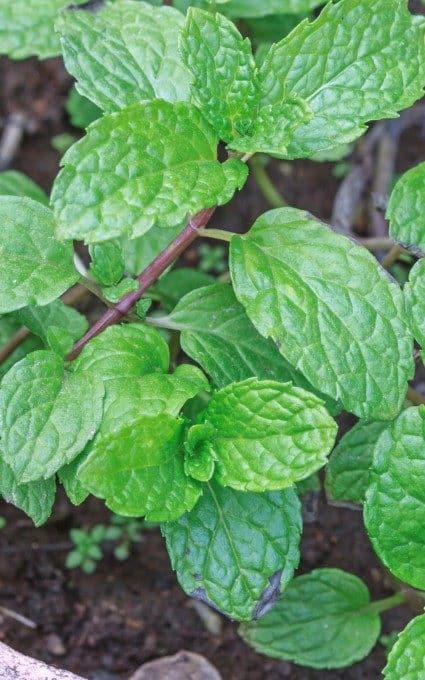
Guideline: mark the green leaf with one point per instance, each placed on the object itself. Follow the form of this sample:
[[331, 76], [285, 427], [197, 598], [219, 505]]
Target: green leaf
[[271, 28], [124, 53], [252, 8], [216, 332], [150, 395], [236, 550], [268, 435], [199, 463], [414, 295], [348, 471], [75, 491], [14, 183], [35, 498], [406, 209], [115, 293], [406, 658], [9, 325], [124, 352], [107, 262], [140, 252], [138, 470], [394, 510], [26, 28], [47, 415], [57, 316], [309, 484], [223, 69], [35, 269], [81, 110], [166, 155], [333, 311], [358, 61], [322, 620], [177, 283]]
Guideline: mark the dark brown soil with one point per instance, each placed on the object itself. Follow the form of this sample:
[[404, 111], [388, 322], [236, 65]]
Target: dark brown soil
[[127, 613]]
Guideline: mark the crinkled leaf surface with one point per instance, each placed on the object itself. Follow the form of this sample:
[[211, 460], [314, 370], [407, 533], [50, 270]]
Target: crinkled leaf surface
[[216, 332], [414, 295], [358, 61], [333, 311], [394, 511], [138, 470], [123, 352], [406, 660], [125, 53], [321, 621], [348, 470], [223, 69], [14, 183], [47, 415], [35, 498], [148, 164], [26, 28], [56, 315], [268, 435], [235, 550], [35, 268], [107, 262], [406, 209]]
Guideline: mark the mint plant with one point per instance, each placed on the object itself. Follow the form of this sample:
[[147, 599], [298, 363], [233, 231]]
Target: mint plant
[[309, 325]]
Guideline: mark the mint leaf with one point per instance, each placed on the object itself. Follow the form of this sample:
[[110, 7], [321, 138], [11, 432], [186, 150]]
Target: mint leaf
[[14, 183], [107, 262], [9, 325], [414, 295], [348, 470], [140, 252], [55, 316], [47, 415], [35, 498], [253, 8], [368, 63], [81, 110], [177, 283], [199, 463], [216, 332], [124, 352], [115, 293], [236, 550], [67, 475], [138, 470], [309, 484], [406, 658], [407, 207], [223, 70], [124, 53], [394, 511], [26, 28], [35, 269], [268, 435], [334, 312], [150, 395], [322, 620], [167, 155]]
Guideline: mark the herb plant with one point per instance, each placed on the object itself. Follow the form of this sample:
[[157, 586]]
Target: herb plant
[[307, 324]]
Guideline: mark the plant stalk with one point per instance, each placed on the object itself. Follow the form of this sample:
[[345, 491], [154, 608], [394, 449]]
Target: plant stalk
[[386, 603], [219, 234], [264, 183], [147, 277]]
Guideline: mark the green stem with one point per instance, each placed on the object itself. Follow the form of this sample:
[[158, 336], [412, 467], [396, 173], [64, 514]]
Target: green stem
[[392, 256], [219, 234], [266, 186], [162, 322], [387, 603]]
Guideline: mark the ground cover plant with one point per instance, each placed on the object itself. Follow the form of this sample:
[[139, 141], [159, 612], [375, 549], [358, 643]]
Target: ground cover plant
[[306, 324]]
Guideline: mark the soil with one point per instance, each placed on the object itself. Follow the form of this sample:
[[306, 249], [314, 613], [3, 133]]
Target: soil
[[104, 625]]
